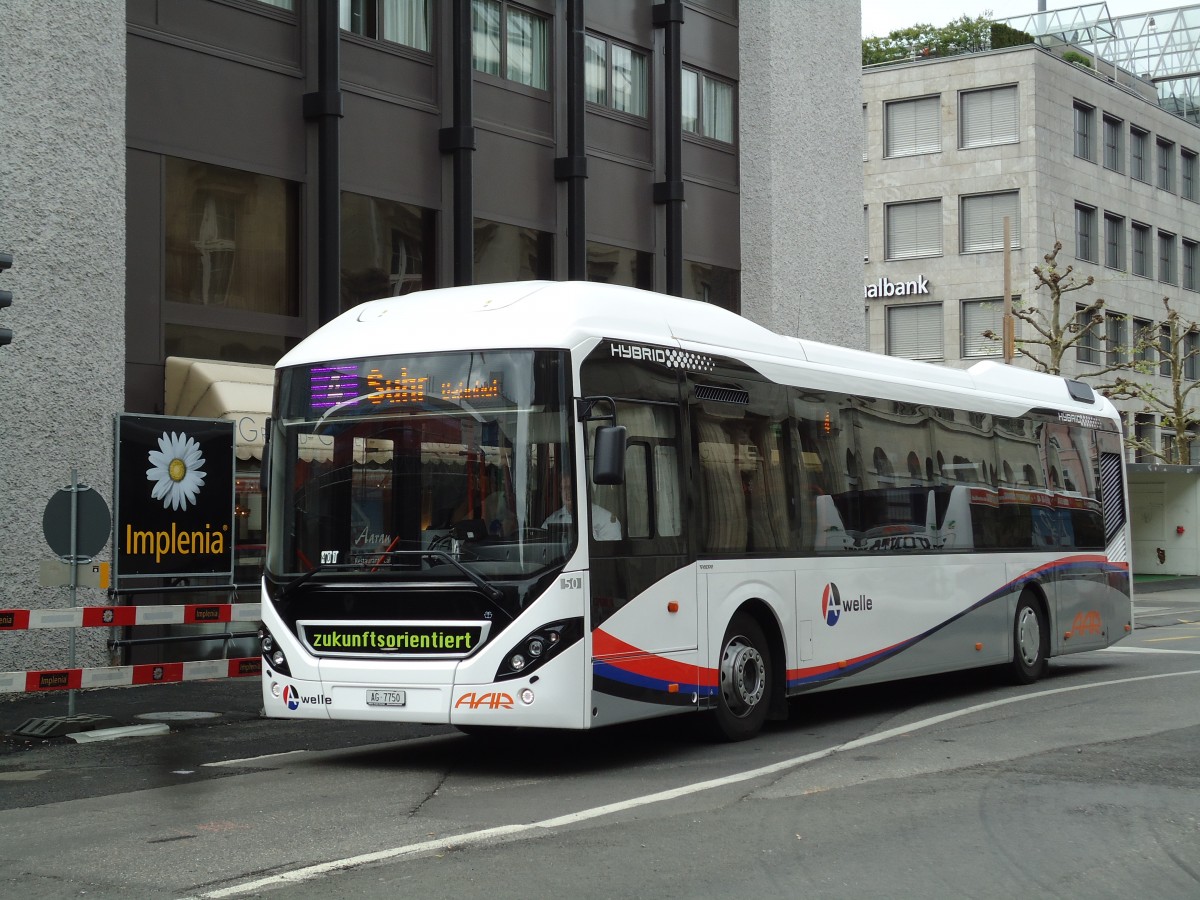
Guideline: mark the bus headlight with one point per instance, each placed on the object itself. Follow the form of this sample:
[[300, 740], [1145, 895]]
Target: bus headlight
[[272, 655], [535, 648]]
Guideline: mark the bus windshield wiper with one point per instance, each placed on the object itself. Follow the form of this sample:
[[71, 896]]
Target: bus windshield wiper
[[488, 589], [492, 592], [302, 578]]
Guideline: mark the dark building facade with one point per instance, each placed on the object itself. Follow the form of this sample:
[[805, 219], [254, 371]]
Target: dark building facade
[[293, 160]]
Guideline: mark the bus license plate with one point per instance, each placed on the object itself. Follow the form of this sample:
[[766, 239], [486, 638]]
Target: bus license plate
[[385, 698]]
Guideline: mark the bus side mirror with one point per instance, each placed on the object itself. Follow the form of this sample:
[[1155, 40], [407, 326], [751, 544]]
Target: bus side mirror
[[608, 462], [263, 470]]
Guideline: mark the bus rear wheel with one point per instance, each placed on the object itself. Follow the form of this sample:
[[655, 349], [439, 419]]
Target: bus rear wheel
[[1031, 641], [744, 671]]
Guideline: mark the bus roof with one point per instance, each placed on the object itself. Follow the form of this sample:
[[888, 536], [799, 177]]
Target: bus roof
[[572, 314]]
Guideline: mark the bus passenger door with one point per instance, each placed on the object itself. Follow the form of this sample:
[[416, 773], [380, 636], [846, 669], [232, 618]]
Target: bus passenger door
[[644, 609], [641, 583]]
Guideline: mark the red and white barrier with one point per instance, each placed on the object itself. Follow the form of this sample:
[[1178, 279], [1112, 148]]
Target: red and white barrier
[[115, 616], [125, 676]]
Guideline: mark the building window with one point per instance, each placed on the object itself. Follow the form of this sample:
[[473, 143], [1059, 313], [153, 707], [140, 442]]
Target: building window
[[510, 42], [707, 106], [1141, 250], [512, 253], [988, 117], [982, 221], [866, 134], [712, 284], [1191, 352], [1166, 258], [979, 316], [1088, 348], [1143, 432], [404, 22], [1139, 141], [1165, 366], [915, 332], [259, 348], [232, 239], [1085, 232], [615, 76], [866, 233], [1166, 165], [1189, 175], [1085, 131], [1144, 341], [607, 264], [1114, 150], [1114, 242], [1117, 331], [913, 229], [387, 248], [1191, 265], [912, 126]]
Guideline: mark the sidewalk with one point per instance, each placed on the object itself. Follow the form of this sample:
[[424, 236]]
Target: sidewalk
[[176, 706]]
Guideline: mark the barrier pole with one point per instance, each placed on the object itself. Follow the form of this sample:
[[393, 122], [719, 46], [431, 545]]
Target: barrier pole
[[74, 585]]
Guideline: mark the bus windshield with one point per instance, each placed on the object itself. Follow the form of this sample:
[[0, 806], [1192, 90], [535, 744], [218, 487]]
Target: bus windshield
[[416, 462]]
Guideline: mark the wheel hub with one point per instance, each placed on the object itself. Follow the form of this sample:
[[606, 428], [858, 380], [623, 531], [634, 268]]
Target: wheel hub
[[743, 676], [1029, 637]]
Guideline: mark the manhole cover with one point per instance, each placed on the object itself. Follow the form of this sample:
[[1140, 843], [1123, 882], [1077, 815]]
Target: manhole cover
[[176, 716]]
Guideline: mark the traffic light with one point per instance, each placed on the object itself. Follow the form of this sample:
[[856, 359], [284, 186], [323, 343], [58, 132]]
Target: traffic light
[[5, 299]]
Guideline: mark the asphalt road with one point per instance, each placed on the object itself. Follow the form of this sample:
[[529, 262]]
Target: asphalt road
[[1084, 785]]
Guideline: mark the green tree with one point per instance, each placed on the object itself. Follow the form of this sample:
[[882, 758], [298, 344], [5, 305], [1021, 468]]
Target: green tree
[[962, 35]]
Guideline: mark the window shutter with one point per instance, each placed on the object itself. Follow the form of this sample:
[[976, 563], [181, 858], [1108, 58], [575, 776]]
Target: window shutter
[[914, 126], [979, 316], [983, 221], [915, 332], [989, 117], [914, 229]]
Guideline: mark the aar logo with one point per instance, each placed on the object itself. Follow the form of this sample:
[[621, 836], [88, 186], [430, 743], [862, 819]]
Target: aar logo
[[291, 697], [831, 604]]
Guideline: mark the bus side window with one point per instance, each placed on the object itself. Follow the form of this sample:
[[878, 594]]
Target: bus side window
[[648, 505], [638, 476]]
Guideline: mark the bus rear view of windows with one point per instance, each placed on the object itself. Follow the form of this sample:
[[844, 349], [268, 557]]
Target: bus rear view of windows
[[586, 504]]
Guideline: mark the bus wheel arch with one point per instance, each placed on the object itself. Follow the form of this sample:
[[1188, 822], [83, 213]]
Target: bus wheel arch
[[750, 674], [1031, 636]]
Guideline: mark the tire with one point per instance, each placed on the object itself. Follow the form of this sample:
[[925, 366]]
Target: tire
[[1031, 641], [745, 682]]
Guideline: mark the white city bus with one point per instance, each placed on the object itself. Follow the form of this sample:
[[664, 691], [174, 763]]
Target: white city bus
[[567, 505]]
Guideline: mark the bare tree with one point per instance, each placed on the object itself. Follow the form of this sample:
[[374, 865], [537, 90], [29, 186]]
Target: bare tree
[[1173, 345], [1061, 324]]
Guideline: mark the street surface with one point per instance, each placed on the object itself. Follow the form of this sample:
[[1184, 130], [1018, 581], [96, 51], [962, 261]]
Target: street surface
[[1083, 785]]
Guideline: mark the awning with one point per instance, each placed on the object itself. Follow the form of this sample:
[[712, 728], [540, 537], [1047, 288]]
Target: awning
[[211, 389]]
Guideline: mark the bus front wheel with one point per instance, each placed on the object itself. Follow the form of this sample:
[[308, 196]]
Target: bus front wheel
[[1031, 641], [745, 680]]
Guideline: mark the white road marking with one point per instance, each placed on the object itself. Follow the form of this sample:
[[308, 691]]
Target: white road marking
[[1145, 650], [250, 760], [482, 836]]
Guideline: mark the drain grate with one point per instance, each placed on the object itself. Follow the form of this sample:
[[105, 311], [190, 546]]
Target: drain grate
[[57, 726]]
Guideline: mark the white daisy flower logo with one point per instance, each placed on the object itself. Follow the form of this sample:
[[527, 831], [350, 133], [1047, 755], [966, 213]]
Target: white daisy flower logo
[[177, 470]]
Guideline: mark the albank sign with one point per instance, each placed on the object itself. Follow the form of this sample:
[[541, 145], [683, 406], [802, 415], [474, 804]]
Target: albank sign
[[885, 287]]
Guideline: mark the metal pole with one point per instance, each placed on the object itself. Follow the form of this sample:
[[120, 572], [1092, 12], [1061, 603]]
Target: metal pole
[[74, 562]]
